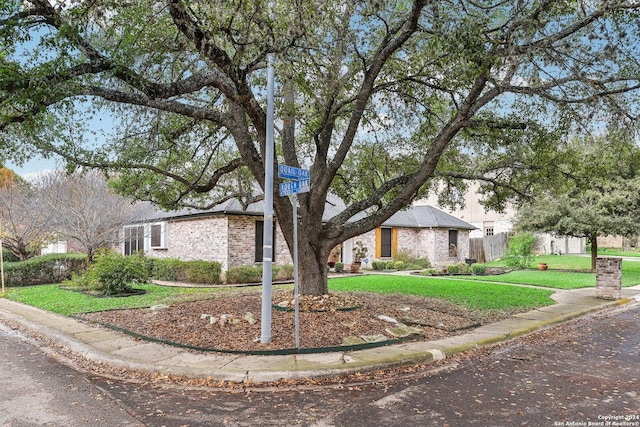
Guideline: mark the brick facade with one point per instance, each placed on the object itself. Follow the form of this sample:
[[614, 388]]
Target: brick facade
[[432, 244], [608, 278], [231, 240]]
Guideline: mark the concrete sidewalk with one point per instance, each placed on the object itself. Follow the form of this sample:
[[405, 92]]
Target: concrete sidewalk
[[120, 350]]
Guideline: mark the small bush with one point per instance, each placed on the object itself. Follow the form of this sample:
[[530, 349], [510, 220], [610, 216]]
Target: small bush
[[408, 259], [520, 251], [163, 269], [45, 269], [184, 271], [202, 271], [422, 262], [389, 265], [113, 274], [463, 267], [453, 269], [398, 265], [339, 268], [478, 269], [283, 272], [378, 265], [244, 274], [428, 272]]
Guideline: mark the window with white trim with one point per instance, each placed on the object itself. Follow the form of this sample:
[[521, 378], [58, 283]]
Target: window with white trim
[[133, 239], [158, 235]]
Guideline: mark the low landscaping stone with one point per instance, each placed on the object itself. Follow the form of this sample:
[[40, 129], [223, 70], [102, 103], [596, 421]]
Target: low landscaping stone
[[374, 338]]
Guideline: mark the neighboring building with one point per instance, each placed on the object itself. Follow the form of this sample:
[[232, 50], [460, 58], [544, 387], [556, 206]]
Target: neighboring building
[[233, 236], [488, 223]]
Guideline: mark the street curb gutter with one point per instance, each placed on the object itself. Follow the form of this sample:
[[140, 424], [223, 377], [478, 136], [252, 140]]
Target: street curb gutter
[[263, 369]]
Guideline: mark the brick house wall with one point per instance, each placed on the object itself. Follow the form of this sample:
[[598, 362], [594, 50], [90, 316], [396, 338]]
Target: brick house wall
[[231, 240], [241, 241], [432, 244], [195, 239], [227, 239]]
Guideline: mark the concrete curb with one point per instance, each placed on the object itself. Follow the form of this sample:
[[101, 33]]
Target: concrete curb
[[114, 349]]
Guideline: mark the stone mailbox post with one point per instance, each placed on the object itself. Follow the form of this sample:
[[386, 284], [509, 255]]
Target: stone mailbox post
[[608, 278]]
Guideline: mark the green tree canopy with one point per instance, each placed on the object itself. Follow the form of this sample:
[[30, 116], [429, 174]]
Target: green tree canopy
[[600, 195], [379, 99]]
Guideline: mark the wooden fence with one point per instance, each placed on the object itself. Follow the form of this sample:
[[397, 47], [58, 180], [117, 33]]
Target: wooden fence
[[488, 248]]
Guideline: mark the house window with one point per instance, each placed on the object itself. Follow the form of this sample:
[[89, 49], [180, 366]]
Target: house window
[[453, 243], [385, 243], [488, 232], [260, 242], [133, 239], [158, 235]]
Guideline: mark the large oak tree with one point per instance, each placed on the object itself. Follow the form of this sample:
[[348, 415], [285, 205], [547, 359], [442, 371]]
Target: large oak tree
[[379, 99], [599, 195]]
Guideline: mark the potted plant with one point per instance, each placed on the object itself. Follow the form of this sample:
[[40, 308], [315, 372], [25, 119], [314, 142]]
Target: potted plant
[[359, 252]]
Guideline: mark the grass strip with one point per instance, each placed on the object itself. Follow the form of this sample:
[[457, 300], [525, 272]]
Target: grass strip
[[470, 294], [66, 302]]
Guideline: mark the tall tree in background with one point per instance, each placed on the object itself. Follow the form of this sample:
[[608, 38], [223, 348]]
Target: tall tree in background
[[599, 196], [84, 209], [383, 99], [25, 226]]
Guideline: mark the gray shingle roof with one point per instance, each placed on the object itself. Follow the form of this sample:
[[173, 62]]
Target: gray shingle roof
[[412, 217]]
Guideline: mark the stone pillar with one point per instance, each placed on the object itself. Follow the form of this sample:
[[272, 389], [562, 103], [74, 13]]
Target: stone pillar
[[608, 278]]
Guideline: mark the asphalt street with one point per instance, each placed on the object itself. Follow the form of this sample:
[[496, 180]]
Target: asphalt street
[[584, 371], [37, 390]]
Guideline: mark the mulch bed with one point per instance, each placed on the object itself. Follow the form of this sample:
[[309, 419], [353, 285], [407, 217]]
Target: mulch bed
[[322, 324]]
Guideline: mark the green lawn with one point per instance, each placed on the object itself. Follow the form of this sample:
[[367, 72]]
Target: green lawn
[[618, 252], [562, 279], [474, 295], [549, 278], [65, 302], [555, 262]]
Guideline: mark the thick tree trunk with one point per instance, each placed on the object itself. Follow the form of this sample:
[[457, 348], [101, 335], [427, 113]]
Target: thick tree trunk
[[312, 268]]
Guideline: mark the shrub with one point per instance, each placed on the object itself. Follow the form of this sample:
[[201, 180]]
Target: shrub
[[428, 272], [378, 265], [422, 262], [8, 256], [478, 269], [520, 251], [112, 273], [202, 271], [398, 265], [340, 267], [184, 271], [453, 269], [408, 259], [244, 274], [463, 267], [389, 265], [283, 272], [45, 269]]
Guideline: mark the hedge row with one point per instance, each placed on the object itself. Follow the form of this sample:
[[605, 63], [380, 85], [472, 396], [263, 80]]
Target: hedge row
[[185, 271], [44, 269], [253, 274]]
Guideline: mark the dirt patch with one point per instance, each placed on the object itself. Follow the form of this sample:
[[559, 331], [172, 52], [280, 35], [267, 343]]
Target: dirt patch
[[231, 321]]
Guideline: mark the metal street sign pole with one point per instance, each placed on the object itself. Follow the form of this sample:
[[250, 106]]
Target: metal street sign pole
[[301, 183], [294, 202], [267, 237]]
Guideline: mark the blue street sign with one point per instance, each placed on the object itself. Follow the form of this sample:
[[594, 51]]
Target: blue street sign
[[295, 174], [295, 187]]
